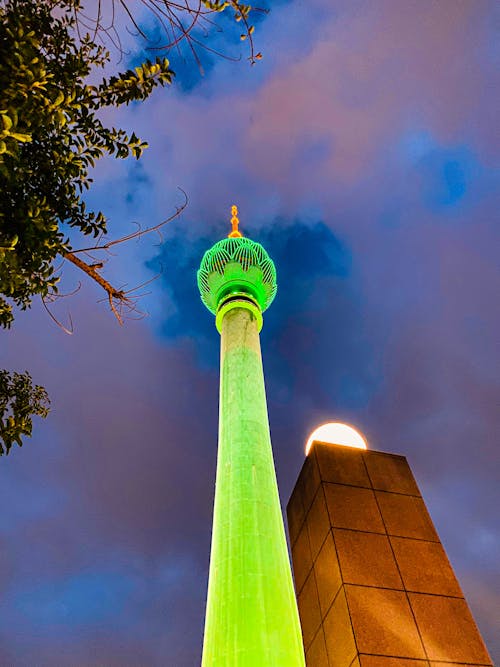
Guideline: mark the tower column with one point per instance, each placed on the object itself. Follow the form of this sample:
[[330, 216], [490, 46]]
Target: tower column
[[251, 616]]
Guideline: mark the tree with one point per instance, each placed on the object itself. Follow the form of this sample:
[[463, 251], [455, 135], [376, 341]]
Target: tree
[[19, 401], [50, 137]]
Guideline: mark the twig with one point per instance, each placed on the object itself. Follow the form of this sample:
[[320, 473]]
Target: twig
[[59, 324], [139, 232]]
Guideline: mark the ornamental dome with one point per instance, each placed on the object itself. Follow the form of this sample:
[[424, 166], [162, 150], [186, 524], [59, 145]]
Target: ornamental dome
[[235, 266]]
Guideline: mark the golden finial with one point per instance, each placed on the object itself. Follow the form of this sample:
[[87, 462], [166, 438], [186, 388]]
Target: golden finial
[[235, 233]]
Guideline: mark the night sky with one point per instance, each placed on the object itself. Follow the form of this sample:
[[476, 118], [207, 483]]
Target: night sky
[[362, 152]]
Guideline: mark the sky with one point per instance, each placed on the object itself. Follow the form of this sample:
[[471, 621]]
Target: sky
[[362, 151]]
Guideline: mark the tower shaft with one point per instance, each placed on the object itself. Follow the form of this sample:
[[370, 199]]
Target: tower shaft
[[251, 616]]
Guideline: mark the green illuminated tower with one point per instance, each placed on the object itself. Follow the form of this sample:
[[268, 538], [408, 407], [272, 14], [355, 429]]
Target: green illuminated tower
[[251, 616]]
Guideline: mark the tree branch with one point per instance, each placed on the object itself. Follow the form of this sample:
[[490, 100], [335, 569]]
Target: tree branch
[[118, 299], [92, 272], [139, 232], [111, 291]]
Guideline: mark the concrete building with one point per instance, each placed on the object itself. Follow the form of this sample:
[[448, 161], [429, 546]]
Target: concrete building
[[374, 585]]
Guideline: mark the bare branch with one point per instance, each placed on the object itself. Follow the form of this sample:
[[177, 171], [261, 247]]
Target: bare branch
[[120, 301], [59, 324], [113, 294], [147, 282], [140, 232], [52, 297], [178, 22]]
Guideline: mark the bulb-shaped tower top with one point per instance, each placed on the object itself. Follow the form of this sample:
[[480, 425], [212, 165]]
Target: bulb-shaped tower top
[[236, 268]]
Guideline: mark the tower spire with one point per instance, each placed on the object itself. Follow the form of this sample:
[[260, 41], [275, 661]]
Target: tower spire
[[235, 233]]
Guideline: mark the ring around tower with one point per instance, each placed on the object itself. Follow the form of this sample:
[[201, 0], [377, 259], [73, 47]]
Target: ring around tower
[[251, 615]]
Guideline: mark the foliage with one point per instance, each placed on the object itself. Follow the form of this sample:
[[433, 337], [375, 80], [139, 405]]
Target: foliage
[[51, 135], [19, 400], [49, 138]]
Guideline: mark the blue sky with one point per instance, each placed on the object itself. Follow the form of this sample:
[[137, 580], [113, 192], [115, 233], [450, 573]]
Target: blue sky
[[363, 153]]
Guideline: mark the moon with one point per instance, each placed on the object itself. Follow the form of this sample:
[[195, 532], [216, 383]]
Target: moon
[[336, 433]]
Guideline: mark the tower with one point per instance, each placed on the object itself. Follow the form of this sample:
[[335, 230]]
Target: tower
[[251, 614]]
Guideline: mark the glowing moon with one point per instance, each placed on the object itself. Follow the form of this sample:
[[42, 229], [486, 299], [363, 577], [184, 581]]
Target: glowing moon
[[336, 433]]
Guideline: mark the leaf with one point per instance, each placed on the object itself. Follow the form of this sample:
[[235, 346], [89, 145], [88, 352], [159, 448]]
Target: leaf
[[23, 138], [6, 121]]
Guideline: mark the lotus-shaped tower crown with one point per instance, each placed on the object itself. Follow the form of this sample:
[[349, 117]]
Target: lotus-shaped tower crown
[[236, 266]]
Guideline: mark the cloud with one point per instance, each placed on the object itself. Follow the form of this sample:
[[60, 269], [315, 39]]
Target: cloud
[[360, 152], [99, 516]]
